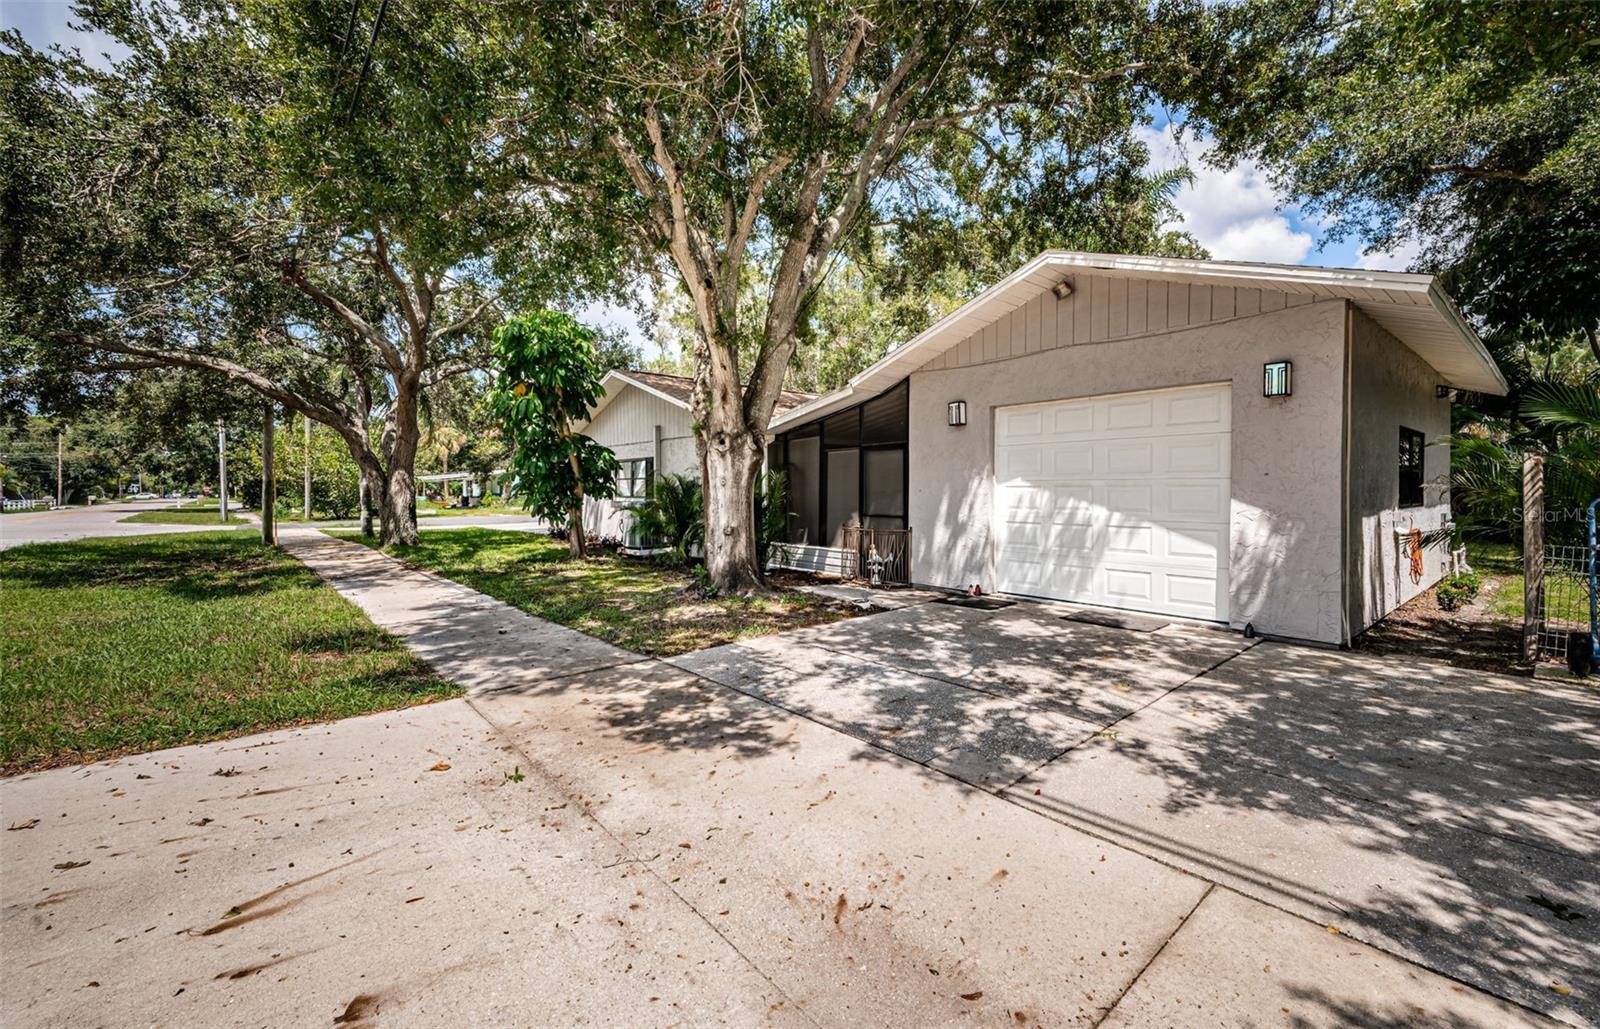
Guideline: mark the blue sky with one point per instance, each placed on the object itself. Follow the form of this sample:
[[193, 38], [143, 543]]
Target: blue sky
[[1234, 213]]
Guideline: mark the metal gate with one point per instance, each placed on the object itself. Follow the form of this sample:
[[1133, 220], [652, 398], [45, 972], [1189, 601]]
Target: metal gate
[[1569, 604], [881, 556]]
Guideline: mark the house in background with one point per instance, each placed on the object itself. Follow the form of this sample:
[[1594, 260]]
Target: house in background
[[1247, 444], [644, 418]]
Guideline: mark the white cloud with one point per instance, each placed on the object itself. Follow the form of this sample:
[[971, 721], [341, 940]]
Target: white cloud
[[1397, 260], [1234, 213]]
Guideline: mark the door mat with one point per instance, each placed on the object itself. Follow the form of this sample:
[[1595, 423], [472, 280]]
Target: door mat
[[1133, 623], [977, 603]]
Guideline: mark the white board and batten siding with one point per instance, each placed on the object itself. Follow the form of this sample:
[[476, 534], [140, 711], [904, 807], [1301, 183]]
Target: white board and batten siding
[[1104, 308], [1119, 501]]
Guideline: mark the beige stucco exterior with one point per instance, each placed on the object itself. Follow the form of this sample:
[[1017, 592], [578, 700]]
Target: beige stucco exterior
[[1288, 552], [1391, 387]]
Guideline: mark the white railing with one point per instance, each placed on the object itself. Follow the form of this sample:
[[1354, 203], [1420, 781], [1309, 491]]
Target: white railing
[[29, 505]]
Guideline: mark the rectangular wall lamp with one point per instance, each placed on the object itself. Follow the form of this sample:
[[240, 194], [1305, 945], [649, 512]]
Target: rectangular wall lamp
[[1275, 379]]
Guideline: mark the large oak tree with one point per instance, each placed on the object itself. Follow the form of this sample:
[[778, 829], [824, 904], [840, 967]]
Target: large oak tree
[[302, 201], [733, 136]]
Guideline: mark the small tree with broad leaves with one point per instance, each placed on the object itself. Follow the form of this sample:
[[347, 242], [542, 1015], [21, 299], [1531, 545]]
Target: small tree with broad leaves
[[547, 380]]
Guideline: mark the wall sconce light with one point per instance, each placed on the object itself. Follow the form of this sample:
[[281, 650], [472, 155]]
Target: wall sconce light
[[1062, 289], [956, 413], [1444, 392], [1275, 379]]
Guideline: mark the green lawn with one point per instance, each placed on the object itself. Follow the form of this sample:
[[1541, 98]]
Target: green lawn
[[1502, 563], [183, 516], [114, 646], [633, 603]]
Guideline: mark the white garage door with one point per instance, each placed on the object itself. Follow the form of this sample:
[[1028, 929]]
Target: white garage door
[[1119, 500]]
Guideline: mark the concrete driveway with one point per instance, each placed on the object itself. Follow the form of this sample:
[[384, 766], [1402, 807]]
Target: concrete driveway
[[1447, 816], [924, 817]]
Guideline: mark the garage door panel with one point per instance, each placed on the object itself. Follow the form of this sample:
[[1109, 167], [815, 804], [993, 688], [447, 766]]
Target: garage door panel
[[1194, 544], [1201, 455], [1072, 420], [1134, 457], [1132, 413], [1019, 425], [1129, 505], [1196, 501], [1073, 460], [1200, 409]]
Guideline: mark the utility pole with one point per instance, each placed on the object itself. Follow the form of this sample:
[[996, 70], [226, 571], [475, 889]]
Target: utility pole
[[222, 470], [269, 492], [59, 437], [306, 512]]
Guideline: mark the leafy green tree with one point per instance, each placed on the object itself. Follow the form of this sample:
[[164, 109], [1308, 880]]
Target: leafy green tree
[[546, 381], [276, 194], [1469, 129], [731, 136]]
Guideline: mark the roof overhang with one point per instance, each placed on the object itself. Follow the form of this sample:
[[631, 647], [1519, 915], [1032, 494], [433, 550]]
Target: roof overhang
[[616, 380], [1410, 307]]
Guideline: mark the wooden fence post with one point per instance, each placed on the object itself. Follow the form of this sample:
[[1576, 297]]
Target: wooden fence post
[[1532, 554]]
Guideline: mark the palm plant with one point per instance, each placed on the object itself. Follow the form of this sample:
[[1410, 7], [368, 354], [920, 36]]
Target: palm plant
[[673, 513], [1561, 420], [772, 513]]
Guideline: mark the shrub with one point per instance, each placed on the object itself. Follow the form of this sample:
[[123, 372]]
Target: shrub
[[673, 514], [1458, 589]]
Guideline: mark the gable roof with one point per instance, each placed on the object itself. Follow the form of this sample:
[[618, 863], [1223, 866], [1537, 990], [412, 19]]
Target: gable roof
[[677, 390], [1412, 308]]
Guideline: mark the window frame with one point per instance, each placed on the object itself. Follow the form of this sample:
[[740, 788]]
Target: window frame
[[1411, 469], [627, 473]]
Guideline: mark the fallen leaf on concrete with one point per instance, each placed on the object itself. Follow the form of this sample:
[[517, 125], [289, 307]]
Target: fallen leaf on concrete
[[226, 773], [29, 824], [201, 821], [1333, 929], [141, 775], [978, 995], [442, 766], [1559, 988], [65, 865]]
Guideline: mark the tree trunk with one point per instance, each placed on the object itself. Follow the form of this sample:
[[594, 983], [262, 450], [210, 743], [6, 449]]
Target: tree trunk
[[269, 483], [400, 500], [731, 461]]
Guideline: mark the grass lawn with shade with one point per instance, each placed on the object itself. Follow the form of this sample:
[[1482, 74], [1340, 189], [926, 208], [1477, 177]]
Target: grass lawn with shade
[[114, 646], [183, 516], [634, 603]]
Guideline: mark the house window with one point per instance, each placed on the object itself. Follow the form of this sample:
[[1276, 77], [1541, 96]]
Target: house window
[[1411, 443], [633, 478]]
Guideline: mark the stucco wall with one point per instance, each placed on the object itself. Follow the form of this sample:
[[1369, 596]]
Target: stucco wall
[[627, 427], [1285, 555], [1391, 386]]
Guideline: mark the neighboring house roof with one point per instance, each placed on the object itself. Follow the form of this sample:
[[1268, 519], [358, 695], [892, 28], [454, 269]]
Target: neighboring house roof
[[1411, 307], [676, 389]]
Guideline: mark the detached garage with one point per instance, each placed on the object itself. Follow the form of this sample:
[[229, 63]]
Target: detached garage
[[1244, 444]]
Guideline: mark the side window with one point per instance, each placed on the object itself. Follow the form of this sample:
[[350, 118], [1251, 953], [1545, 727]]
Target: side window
[[1411, 444], [633, 478]]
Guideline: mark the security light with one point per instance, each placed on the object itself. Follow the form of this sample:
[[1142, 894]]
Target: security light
[[1062, 289]]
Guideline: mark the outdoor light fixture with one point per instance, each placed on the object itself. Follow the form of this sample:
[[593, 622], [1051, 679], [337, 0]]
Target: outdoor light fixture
[[1443, 392], [1062, 289], [956, 413], [1275, 379]]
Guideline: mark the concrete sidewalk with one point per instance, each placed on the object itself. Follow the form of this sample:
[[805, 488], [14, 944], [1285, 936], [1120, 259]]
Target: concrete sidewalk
[[865, 887]]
